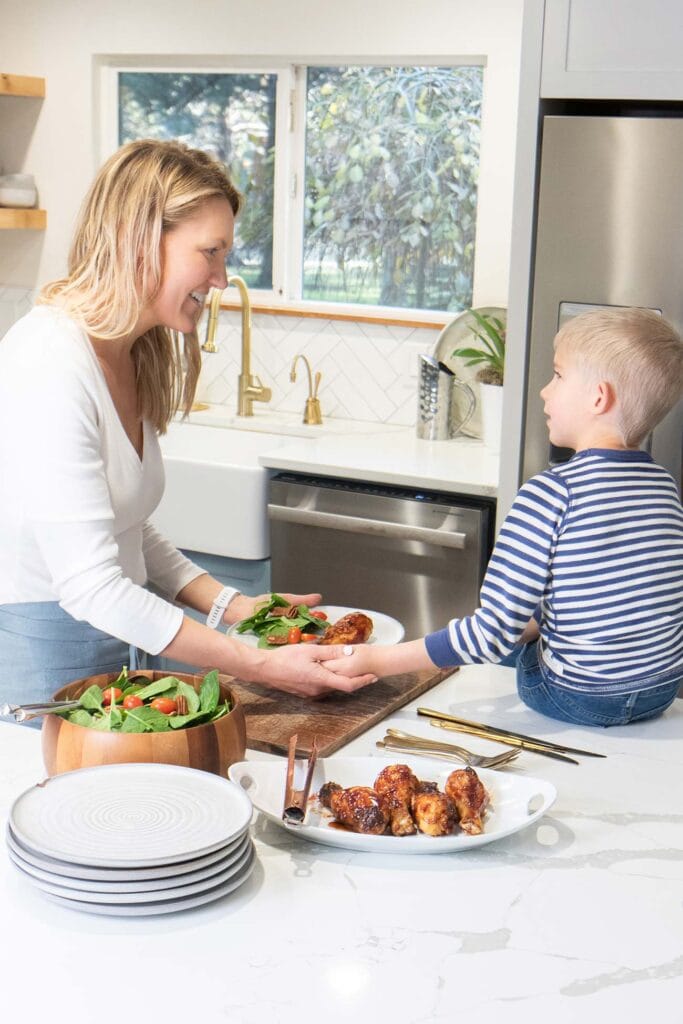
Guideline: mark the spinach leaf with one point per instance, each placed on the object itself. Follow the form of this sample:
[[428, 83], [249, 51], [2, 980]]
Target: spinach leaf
[[190, 695], [261, 616], [209, 692], [198, 718], [79, 716], [109, 721], [91, 698], [145, 719], [160, 686], [132, 688]]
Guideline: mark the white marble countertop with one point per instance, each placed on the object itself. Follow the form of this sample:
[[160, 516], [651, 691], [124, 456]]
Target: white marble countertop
[[376, 452], [577, 918], [461, 466]]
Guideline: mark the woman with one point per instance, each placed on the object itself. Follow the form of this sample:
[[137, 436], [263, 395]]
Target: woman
[[88, 379]]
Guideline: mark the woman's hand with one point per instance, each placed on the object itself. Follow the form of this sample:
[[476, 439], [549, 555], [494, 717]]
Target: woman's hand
[[243, 607], [302, 669]]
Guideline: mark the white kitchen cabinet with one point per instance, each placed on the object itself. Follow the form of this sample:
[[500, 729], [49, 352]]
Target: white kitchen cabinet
[[613, 49], [250, 576]]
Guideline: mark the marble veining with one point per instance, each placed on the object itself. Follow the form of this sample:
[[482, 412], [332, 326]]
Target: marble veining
[[577, 918]]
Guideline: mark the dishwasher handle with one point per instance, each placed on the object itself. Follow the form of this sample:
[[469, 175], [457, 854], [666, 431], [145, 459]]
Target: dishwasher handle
[[368, 527]]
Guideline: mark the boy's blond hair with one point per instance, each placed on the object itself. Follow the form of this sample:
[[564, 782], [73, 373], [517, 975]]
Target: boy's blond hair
[[639, 353], [146, 188]]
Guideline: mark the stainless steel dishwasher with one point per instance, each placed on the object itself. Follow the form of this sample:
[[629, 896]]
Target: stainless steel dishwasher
[[418, 555]]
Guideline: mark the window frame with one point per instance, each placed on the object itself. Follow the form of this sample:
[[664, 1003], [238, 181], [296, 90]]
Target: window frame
[[289, 165]]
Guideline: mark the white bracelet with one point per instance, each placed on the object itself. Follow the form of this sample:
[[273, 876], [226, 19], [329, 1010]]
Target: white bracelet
[[215, 616]]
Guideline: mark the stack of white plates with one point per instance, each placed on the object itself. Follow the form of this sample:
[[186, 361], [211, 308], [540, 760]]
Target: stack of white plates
[[133, 839]]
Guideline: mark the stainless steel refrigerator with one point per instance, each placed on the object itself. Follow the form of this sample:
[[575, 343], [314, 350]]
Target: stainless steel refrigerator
[[609, 233]]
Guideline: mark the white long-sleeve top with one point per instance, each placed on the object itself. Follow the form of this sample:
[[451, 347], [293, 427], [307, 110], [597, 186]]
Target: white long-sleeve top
[[75, 497]]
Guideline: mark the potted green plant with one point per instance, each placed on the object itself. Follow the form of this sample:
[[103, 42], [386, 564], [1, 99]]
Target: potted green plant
[[489, 356]]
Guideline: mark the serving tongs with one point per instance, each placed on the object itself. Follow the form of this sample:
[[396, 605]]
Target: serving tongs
[[296, 800], [25, 712]]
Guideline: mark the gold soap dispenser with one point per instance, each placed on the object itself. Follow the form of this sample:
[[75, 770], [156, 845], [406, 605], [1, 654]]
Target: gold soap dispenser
[[312, 414]]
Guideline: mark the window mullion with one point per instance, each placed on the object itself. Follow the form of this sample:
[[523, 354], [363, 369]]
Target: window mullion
[[296, 145]]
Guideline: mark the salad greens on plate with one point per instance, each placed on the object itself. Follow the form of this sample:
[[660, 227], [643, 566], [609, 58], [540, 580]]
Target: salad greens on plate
[[300, 624], [134, 704]]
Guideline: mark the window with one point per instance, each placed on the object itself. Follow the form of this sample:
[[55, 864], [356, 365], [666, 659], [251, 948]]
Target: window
[[231, 116], [360, 182]]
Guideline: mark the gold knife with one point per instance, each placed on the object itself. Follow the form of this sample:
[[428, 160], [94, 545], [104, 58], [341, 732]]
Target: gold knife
[[536, 748], [505, 732]]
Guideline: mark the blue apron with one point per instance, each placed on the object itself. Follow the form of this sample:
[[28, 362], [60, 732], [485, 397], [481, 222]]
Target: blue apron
[[42, 648]]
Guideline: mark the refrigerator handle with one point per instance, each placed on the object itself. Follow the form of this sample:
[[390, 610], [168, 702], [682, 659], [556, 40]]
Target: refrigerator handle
[[369, 527]]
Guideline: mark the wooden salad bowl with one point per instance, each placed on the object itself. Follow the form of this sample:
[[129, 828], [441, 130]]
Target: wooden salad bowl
[[212, 747]]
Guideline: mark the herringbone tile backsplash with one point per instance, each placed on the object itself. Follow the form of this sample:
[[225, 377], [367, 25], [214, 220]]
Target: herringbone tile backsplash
[[369, 371]]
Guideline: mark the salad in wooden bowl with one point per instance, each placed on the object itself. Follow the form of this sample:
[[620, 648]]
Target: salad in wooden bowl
[[189, 720]]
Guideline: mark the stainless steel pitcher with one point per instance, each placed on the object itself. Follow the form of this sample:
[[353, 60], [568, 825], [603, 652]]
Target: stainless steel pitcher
[[444, 402]]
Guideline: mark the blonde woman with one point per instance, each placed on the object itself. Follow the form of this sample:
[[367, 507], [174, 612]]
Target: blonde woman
[[88, 380]]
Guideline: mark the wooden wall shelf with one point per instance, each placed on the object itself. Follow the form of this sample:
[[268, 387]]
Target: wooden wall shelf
[[21, 85], [10, 217]]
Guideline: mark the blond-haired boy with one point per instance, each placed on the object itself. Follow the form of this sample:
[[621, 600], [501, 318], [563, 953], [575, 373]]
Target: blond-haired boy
[[587, 571]]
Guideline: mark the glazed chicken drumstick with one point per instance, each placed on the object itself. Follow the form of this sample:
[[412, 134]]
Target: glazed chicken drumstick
[[434, 813], [397, 785], [468, 794], [359, 808]]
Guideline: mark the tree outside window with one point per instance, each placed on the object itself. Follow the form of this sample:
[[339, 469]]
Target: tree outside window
[[391, 162]]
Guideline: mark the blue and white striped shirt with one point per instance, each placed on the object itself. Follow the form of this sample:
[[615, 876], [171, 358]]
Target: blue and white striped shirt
[[597, 544]]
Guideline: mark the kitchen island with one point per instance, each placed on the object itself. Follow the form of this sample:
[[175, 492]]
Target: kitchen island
[[578, 917]]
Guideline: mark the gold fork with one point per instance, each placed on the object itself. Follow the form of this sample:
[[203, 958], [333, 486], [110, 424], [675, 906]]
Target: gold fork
[[403, 741]]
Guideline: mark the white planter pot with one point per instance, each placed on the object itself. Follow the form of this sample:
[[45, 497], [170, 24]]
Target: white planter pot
[[491, 402]]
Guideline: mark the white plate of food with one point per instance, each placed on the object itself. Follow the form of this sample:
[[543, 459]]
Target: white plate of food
[[515, 801], [385, 629]]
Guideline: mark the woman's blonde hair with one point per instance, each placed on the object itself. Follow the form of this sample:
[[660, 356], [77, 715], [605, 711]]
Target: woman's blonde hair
[[639, 353], [146, 188]]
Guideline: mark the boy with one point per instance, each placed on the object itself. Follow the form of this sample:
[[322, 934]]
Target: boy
[[592, 548]]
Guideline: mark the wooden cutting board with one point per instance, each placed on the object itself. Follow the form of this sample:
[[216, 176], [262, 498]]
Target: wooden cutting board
[[272, 716]]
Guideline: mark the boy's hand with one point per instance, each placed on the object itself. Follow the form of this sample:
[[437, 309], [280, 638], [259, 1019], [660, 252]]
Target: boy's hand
[[354, 660]]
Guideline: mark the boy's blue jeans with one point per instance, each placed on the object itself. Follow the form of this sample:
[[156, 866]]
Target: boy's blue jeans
[[583, 708]]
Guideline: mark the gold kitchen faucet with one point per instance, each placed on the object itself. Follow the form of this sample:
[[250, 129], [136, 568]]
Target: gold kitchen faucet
[[312, 413], [250, 388]]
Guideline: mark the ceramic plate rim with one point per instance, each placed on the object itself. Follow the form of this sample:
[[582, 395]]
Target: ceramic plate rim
[[335, 768], [133, 885], [336, 611], [138, 896], [52, 784], [83, 872], [155, 909]]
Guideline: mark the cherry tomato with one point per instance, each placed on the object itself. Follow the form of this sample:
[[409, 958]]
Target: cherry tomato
[[319, 615], [132, 701], [111, 693], [166, 705], [309, 638], [294, 635]]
